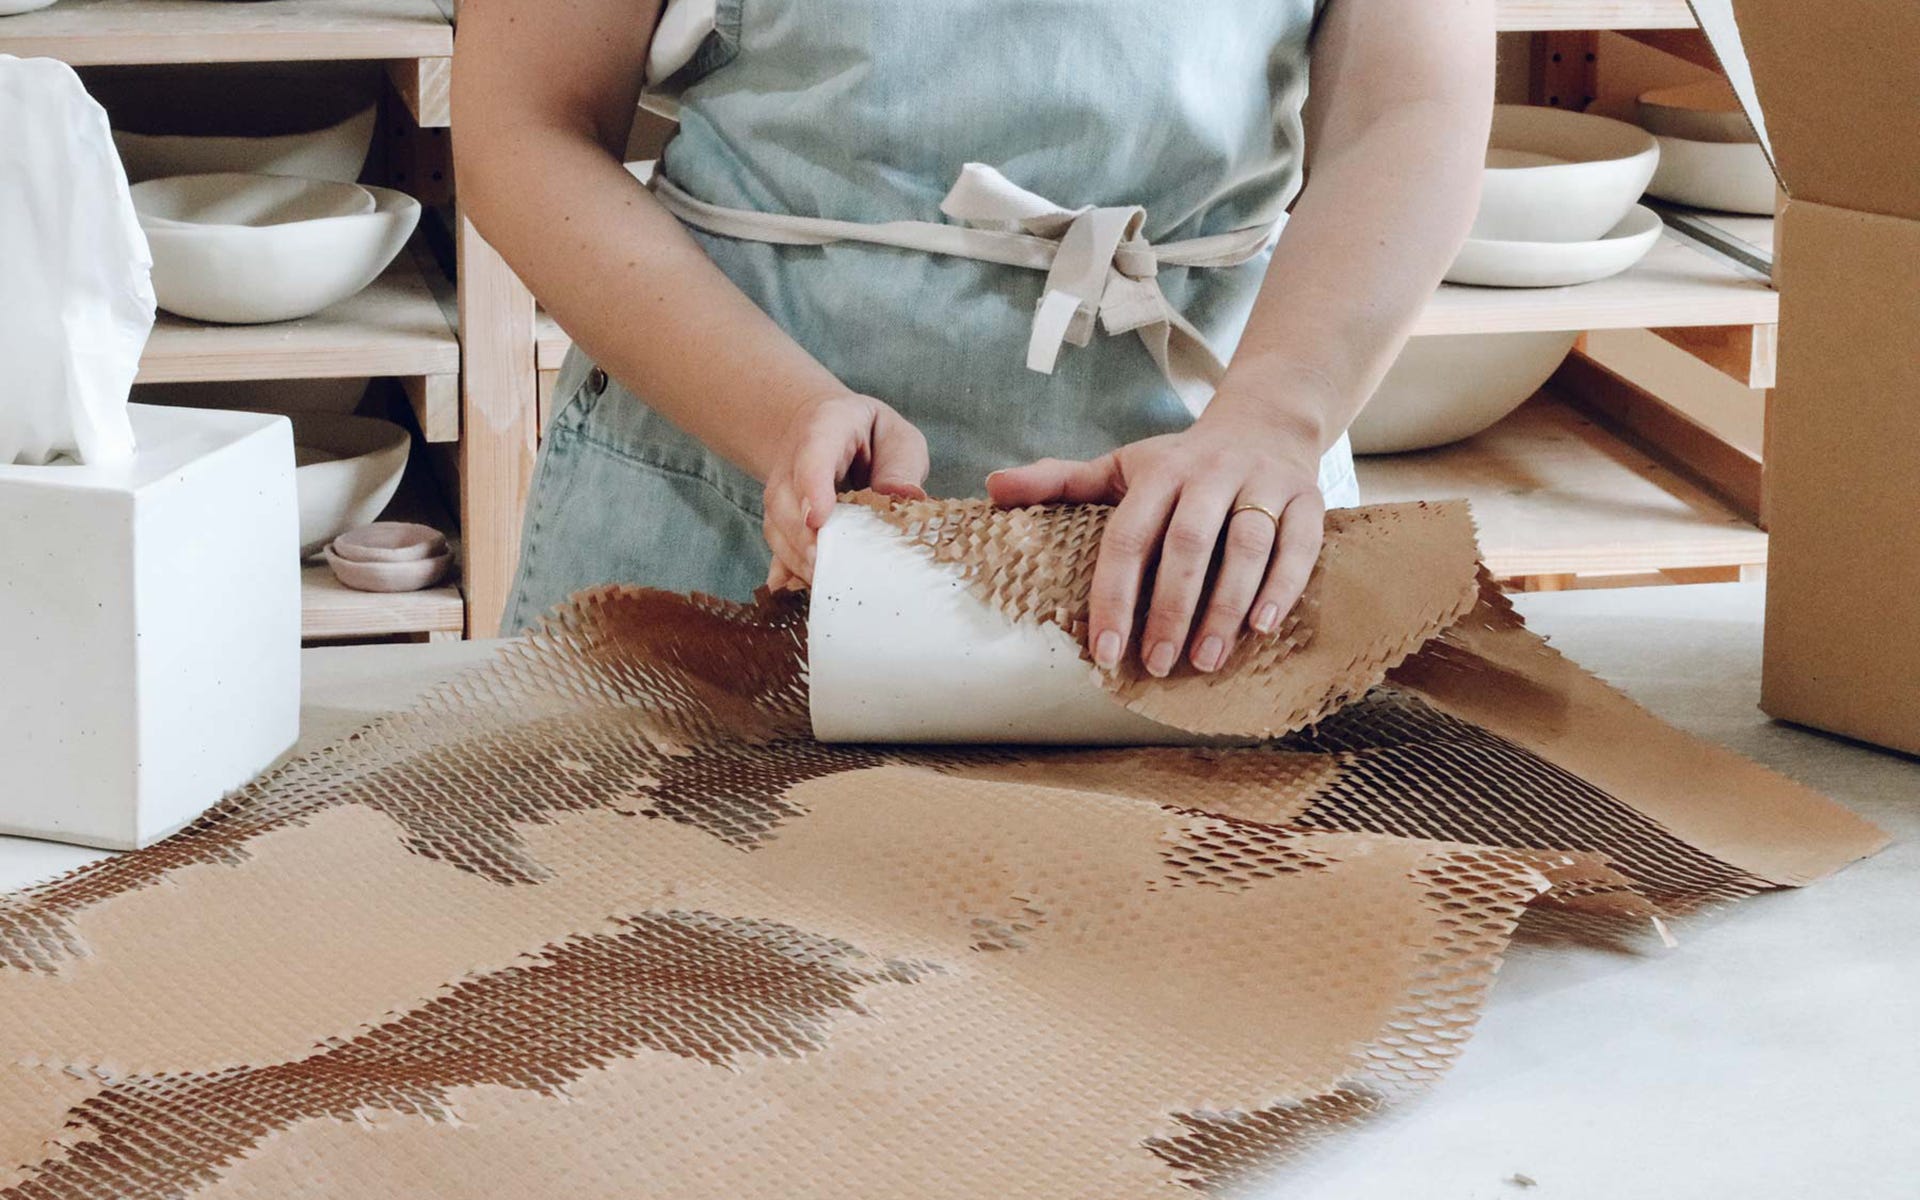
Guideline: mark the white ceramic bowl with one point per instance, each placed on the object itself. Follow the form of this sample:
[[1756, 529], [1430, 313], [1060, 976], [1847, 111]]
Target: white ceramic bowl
[[1603, 172], [248, 249], [259, 395], [10, 8], [1708, 111], [336, 153], [1488, 263], [1730, 177], [346, 471], [1447, 388]]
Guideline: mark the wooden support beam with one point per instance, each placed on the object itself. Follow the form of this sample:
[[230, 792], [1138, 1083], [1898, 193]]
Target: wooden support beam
[[426, 87], [499, 422], [1564, 70], [1732, 473], [436, 405], [1748, 354]]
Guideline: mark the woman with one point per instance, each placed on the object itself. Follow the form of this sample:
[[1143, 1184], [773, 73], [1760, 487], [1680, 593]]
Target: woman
[[792, 310]]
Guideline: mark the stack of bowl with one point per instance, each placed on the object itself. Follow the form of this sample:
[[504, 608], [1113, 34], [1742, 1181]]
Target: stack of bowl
[[1559, 206], [1710, 156], [254, 217]]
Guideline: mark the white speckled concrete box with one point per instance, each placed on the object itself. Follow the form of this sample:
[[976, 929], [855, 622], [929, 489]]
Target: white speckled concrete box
[[149, 628]]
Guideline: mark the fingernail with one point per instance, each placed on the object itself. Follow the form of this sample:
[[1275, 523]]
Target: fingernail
[[806, 512], [1160, 661], [1211, 651], [1268, 620], [1106, 651]]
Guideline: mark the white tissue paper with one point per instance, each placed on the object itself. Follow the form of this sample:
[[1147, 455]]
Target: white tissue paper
[[76, 299], [898, 650]]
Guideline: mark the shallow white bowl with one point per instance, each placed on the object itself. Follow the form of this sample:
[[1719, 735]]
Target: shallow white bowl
[[336, 153], [248, 249], [1603, 172], [347, 469], [1708, 111], [1489, 263], [1447, 388], [1724, 176]]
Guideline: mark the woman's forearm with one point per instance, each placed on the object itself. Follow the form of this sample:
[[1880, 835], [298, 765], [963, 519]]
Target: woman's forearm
[[542, 181], [1393, 186]]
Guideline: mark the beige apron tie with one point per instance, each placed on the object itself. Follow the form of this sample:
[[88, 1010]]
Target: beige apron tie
[[1099, 267]]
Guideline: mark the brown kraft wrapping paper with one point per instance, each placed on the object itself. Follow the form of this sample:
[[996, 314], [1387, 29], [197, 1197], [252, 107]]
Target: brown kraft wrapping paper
[[601, 919]]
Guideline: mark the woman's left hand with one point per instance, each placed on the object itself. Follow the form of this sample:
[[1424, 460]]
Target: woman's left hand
[[1183, 498]]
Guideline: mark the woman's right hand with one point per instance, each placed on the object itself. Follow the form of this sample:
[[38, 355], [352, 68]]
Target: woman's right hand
[[830, 445]]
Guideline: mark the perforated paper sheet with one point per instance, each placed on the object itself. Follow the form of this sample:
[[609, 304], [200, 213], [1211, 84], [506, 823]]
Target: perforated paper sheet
[[603, 919]]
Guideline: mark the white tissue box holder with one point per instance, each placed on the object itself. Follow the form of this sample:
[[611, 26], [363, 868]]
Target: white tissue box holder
[[149, 628]]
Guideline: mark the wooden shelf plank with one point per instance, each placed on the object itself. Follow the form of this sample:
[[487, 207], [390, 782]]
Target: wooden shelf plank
[[550, 342], [394, 327], [1546, 15], [329, 609], [93, 32], [1677, 285], [1557, 495]]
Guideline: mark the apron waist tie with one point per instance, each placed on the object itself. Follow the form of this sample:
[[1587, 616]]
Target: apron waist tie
[[1098, 265]]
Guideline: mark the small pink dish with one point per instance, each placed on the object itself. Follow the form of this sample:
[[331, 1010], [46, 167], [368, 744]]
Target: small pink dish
[[390, 542], [409, 575]]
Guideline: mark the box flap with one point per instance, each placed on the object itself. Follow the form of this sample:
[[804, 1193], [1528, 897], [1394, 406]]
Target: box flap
[[1835, 84]]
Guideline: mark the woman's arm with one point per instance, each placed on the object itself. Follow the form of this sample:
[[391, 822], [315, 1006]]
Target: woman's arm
[[544, 94], [1397, 136]]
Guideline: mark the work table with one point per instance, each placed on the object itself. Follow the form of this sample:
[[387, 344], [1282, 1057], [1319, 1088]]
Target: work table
[[1775, 1053]]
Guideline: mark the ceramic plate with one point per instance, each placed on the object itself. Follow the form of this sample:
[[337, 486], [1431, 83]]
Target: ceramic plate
[[1489, 263]]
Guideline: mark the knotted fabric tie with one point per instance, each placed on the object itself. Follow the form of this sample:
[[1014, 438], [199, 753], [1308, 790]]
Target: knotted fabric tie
[[1099, 267]]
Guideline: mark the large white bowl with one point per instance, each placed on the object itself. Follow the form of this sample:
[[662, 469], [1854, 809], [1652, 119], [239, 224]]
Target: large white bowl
[[336, 153], [1489, 263], [1708, 111], [346, 471], [1730, 177], [248, 249], [1603, 172], [1447, 388]]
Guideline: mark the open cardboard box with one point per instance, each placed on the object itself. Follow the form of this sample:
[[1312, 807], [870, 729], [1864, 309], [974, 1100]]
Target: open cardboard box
[[1831, 88]]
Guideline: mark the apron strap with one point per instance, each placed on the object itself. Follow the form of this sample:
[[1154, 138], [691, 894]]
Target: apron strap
[[1099, 268]]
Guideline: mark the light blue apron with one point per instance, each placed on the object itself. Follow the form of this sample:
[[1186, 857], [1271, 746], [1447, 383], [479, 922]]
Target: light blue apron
[[867, 111]]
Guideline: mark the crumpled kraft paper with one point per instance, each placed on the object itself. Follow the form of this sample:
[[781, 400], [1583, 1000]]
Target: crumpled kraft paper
[[602, 919]]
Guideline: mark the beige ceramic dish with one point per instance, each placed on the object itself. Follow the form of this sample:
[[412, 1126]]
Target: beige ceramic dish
[[249, 249], [347, 470], [1708, 111], [410, 575], [1487, 263], [390, 542], [335, 153], [1447, 388], [1601, 172], [1730, 177]]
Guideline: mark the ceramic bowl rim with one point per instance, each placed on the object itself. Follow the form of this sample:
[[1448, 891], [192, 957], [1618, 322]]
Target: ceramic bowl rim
[[1627, 132], [1640, 221], [388, 203]]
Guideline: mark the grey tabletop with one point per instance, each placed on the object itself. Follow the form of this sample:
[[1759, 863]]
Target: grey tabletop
[[1774, 1054]]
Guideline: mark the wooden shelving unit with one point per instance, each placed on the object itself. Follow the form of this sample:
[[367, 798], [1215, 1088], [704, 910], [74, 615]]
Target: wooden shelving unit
[[1549, 15], [411, 324]]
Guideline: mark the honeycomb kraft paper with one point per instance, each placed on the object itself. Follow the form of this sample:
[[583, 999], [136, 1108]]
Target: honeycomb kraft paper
[[604, 919]]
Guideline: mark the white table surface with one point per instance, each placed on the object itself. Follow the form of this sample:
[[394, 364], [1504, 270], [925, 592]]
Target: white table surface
[[1775, 1054]]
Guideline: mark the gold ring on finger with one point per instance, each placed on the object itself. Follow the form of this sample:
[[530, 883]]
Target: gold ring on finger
[[1262, 509]]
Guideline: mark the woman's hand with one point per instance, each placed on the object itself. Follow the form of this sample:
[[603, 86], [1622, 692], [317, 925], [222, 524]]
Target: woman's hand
[[1176, 496], [843, 441]]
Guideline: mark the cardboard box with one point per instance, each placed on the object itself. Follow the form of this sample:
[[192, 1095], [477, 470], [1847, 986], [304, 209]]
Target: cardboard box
[[149, 628], [1832, 89]]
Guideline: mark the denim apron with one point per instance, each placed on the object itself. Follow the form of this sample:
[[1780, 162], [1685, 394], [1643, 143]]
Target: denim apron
[[1177, 124]]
